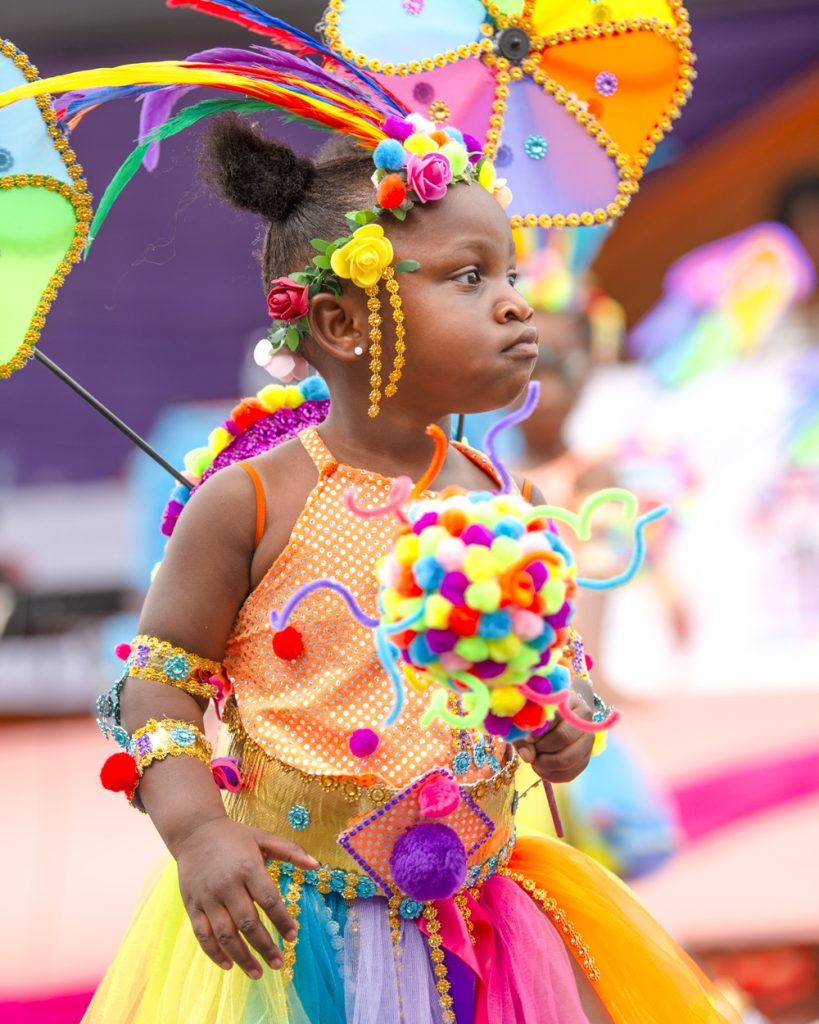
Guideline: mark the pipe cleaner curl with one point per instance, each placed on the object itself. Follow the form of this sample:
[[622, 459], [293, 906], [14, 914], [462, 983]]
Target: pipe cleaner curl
[[476, 599]]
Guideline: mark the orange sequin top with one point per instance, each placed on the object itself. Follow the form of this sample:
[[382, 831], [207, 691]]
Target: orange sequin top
[[303, 711]]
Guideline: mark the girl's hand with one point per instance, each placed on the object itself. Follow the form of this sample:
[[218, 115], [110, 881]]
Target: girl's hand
[[222, 877], [562, 752]]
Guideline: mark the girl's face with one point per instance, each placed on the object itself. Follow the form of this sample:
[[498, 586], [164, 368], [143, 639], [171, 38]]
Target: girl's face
[[470, 341]]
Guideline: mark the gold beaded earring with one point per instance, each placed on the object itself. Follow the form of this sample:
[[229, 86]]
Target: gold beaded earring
[[398, 319], [374, 320]]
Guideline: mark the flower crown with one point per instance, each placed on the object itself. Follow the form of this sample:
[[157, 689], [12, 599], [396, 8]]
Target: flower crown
[[416, 163]]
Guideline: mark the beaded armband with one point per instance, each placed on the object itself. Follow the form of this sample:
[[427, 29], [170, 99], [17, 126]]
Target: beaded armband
[[168, 738], [159, 661]]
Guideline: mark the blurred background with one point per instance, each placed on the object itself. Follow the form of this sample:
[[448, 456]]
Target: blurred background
[[686, 370]]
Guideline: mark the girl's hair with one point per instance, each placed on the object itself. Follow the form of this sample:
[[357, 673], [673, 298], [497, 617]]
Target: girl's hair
[[300, 198]]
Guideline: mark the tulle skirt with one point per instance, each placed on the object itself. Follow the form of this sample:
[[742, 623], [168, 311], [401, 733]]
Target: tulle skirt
[[509, 954]]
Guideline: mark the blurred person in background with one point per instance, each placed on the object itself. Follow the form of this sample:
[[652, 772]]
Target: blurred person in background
[[614, 812]]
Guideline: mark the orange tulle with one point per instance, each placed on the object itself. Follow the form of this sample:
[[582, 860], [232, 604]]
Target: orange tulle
[[645, 978]]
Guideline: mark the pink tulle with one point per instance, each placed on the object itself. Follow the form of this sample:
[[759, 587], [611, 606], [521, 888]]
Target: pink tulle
[[538, 986]]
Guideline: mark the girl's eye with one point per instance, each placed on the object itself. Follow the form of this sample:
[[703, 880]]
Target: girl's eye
[[471, 277], [512, 277]]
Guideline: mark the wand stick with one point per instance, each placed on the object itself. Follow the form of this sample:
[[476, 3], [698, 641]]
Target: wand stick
[[110, 416]]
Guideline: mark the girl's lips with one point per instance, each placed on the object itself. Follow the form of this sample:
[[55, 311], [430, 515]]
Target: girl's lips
[[525, 346]]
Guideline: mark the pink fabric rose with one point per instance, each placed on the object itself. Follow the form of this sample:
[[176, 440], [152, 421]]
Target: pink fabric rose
[[287, 300], [428, 175]]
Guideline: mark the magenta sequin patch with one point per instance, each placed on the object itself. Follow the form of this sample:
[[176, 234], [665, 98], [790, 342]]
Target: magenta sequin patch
[[269, 432]]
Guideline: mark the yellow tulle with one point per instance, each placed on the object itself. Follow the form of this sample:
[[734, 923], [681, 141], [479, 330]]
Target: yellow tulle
[[645, 978], [161, 975]]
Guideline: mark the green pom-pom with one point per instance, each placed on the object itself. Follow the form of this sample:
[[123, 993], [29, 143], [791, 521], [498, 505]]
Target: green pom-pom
[[473, 648], [198, 460], [554, 595], [484, 596], [457, 156]]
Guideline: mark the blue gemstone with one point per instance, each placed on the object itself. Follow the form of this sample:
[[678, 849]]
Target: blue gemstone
[[299, 817], [410, 910], [365, 888], [177, 667], [184, 737], [461, 762], [311, 877], [6, 160], [535, 147], [337, 880], [121, 736]]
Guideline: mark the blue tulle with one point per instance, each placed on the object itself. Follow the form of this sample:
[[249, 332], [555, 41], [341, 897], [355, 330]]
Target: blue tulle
[[319, 972]]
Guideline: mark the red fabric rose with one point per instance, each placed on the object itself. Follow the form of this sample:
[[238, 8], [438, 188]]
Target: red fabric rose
[[287, 300]]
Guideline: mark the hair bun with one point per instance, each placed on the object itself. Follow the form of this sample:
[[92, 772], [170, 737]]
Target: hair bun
[[253, 172]]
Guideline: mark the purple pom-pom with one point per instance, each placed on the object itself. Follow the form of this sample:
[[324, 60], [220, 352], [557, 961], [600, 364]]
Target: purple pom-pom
[[429, 862], [477, 533], [398, 128], [363, 742], [560, 618], [473, 147], [422, 522], [539, 684], [538, 573], [441, 640], [453, 586], [488, 669], [497, 726]]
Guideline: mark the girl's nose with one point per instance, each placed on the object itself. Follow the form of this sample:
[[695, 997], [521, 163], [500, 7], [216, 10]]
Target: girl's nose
[[513, 306]]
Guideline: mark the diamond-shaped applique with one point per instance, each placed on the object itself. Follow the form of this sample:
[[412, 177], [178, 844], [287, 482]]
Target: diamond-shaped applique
[[370, 840], [599, 83]]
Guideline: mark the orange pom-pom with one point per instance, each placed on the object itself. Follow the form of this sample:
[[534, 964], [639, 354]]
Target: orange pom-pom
[[287, 644], [453, 521], [119, 774], [530, 717], [441, 138], [391, 192], [248, 412], [406, 585]]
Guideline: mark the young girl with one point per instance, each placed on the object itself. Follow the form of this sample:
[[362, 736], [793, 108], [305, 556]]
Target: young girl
[[549, 937], [263, 915]]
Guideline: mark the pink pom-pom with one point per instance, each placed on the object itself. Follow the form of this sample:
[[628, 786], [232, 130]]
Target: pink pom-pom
[[363, 742], [439, 797], [123, 651], [589, 662]]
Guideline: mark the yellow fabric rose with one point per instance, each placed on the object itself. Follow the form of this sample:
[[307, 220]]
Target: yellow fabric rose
[[364, 257]]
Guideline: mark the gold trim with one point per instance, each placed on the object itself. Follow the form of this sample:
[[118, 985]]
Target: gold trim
[[548, 905], [78, 195]]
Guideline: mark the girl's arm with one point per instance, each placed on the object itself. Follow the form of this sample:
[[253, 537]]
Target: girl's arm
[[193, 602]]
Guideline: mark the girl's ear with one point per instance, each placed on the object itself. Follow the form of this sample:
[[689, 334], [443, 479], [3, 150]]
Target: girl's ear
[[338, 325]]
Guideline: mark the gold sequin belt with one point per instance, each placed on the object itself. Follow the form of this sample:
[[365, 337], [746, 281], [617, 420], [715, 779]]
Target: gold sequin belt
[[316, 810]]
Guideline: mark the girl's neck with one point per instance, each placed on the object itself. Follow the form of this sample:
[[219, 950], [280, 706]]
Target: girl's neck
[[391, 445]]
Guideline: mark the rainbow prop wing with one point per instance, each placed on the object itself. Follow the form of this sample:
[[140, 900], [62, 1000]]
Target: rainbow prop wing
[[579, 93], [45, 209]]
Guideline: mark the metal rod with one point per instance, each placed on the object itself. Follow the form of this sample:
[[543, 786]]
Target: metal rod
[[459, 427], [111, 417]]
